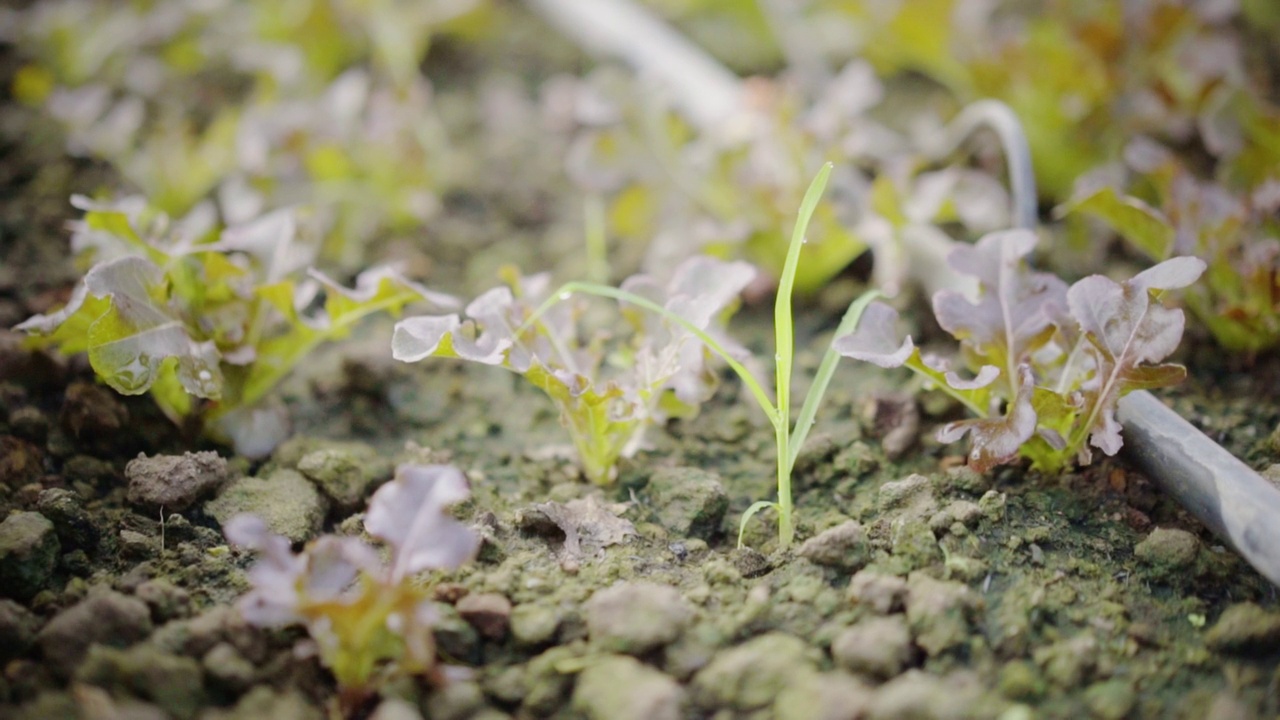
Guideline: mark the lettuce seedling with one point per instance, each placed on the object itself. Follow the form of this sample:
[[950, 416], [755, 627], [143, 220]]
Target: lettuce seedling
[[370, 620], [207, 326], [1049, 362], [606, 399]]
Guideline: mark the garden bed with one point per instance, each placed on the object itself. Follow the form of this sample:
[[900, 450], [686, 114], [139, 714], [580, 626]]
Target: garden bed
[[917, 587]]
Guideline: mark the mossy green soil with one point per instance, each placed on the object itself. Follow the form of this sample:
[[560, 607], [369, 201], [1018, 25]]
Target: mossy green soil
[[923, 590]]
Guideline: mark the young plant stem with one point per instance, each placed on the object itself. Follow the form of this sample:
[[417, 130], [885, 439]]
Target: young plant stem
[[597, 239], [784, 346]]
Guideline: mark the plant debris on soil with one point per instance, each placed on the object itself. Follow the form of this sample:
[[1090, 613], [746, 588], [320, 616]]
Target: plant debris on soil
[[918, 588]]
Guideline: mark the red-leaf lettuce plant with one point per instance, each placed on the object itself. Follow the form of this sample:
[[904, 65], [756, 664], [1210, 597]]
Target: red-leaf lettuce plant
[[1049, 362], [608, 390], [370, 620], [207, 322]]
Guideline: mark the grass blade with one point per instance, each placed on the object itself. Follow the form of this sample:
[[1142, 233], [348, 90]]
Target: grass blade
[[750, 513], [809, 412]]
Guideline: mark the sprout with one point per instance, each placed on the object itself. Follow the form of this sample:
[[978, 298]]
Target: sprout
[[208, 327], [370, 621], [1050, 362], [606, 399]]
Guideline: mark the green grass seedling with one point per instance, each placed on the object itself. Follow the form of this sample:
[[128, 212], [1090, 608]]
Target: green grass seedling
[[789, 438]]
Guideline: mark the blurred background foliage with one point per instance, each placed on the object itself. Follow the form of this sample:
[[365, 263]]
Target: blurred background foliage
[[463, 133]]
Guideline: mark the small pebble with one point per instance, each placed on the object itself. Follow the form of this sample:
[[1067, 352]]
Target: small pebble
[[173, 482], [488, 613]]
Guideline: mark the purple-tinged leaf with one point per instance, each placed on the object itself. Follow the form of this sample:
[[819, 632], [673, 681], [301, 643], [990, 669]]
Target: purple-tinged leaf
[[938, 369], [487, 336], [1127, 328], [271, 240], [377, 289], [669, 356], [334, 563], [987, 374], [275, 576], [1172, 274], [997, 440], [496, 315], [131, 330], [875, 340], [409, 514], [107, 232], [702, 286], [417, 338], [1010, 320], [1123, 321]]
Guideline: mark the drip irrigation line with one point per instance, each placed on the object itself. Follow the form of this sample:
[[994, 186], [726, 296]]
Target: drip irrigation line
[[1232, 500], [1002, 120], [706, 91]]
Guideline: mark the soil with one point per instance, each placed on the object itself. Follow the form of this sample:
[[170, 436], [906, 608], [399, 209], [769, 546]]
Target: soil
[[919, 588]]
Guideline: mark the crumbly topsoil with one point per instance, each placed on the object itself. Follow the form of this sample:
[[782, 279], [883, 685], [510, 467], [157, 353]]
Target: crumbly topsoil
[[919, 588]]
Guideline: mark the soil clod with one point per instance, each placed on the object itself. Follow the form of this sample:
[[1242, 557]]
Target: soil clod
[[636, 617], [1245, 629], [28, 554], [488, 613], [688, 502], [105, 618], [174, 482], [1169, 552], [879, 647], [843, 546], [289, 504], [619, 687]]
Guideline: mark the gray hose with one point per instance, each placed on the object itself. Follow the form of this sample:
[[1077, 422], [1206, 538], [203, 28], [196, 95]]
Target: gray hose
[[1001, 119], [1226, 495]]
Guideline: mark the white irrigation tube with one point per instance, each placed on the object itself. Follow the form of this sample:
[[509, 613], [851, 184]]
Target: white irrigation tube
[[1221, 491], [707, 92], [1001, 119]]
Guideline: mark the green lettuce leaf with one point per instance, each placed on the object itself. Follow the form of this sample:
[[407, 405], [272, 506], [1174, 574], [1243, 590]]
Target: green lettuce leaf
[[122, 317]]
